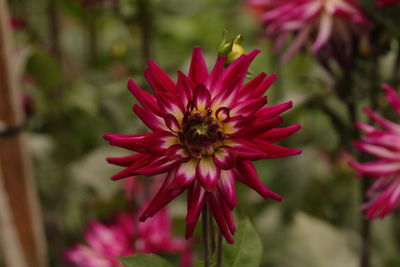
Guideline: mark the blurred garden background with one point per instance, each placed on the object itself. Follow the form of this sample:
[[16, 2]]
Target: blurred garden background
[[73, 59]]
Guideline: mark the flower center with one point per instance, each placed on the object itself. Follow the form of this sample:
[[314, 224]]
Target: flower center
[[200, 133]]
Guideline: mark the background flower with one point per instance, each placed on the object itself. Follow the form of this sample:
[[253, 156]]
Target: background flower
[[316, 21], [125, 237], [382, 143]]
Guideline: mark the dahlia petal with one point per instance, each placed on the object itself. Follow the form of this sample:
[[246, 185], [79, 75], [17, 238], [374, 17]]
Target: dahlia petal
[[157, 142], [85, 256], [124, 161], [377, 168], [274, 151], [158, 79], [279, 134], [272, 111], [383, 122], [147, 100], [298, 42], [152, 121], [264, 86], [177, 152], [226, 187], [132, 169], [185, 174], [248, 107], [215, 207], [215, 79], [228, 214], [158, 166], [246, 91], [162, 198], [196, 198], [392, 97], [223, 114], [208, 173], [260, 126], [171, 122], [201, 97], [378, 151], [237, 124], [198, 72], [170, 103], [325, 30], [365, 127], [224, 158], [239, 67], [245, 150], [228, 96], [190, 227], [246, 174], [184, 87], [389, 140]]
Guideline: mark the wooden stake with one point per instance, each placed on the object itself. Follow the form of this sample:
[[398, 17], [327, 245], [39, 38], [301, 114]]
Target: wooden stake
[[19, 192]]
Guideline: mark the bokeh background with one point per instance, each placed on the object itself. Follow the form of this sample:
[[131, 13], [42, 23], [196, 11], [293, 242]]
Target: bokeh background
[[74, 58]]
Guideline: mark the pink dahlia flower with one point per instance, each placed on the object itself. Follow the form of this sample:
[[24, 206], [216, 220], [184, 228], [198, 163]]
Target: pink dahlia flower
[[319, 20], [382, 3], [123, 237], [383, 143], [206, 130]]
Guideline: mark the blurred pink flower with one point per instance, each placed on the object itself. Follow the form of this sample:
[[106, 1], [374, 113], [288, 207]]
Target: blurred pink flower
[[382, 3], [384, 144], [206, 130], [123, 237], [318, 21]]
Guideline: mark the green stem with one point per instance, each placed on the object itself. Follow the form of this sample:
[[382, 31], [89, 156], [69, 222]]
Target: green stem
[[204, 217], [219, 250]]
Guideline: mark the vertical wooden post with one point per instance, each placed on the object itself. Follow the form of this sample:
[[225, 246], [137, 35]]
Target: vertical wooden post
[[22, 217]]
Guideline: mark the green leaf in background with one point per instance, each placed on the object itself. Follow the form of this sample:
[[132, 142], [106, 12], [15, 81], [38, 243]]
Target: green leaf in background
[[144, 260], [247, 249]]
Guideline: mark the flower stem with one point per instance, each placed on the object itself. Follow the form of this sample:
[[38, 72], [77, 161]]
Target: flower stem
[[219, 250], [204, 217], [365, 228], [212, 231]]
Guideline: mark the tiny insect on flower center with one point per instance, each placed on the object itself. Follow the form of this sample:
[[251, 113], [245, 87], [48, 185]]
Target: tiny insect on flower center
[[200, 133]]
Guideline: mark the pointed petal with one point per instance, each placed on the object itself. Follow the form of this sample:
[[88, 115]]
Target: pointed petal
[[172, 123], [392, 97], [201, 97], [147, 100], [226, 187], [184, 88], [245, 150], [124, 161], [198, 72], [225, 158], [152, 121], [162, 198], [207, 173], [185, 174], [158, 79], [391, 126], [377, 168], [158, 166], [246, 91], [274, 151], [248, 107], [216, 210], [246, 174], [279, 134]]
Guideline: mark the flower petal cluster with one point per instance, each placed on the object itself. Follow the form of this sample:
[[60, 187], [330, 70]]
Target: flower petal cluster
[[317, 21], [206, 129], [384, 144], [123, 237], [382, 3]]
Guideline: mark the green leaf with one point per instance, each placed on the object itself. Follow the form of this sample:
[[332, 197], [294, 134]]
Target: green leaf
[[144, 260], [247, 249]]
